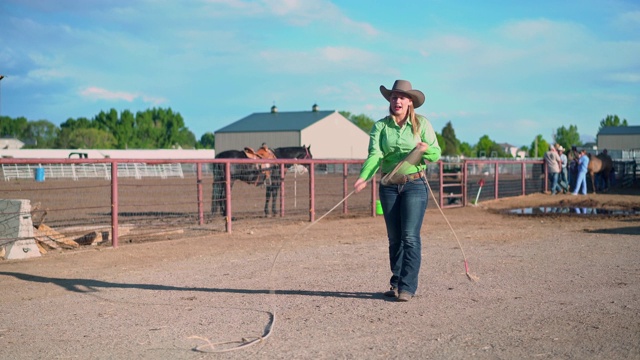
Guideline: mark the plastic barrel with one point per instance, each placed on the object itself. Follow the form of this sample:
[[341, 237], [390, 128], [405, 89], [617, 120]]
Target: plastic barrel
[[39, 174]]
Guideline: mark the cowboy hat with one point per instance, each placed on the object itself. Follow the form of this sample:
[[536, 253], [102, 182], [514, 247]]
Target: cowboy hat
[[404, 87], [560, 148]]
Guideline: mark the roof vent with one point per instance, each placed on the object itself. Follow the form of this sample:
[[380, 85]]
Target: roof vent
[[314, 108], [274, 109]]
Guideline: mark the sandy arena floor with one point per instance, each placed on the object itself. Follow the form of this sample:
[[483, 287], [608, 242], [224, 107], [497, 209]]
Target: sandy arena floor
[[550, 287]]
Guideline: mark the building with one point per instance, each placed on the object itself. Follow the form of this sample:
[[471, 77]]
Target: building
[[10, 143], [328, 134], [624, 138], [107, 153]]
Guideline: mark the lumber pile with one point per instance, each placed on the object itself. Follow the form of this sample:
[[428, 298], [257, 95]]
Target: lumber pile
[[50, 239]]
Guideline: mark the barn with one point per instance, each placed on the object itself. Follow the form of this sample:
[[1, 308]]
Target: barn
[[623, 139], [329, 134]]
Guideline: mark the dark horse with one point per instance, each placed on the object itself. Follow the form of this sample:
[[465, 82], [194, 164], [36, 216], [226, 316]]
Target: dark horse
[[273, 186], [253, 174]]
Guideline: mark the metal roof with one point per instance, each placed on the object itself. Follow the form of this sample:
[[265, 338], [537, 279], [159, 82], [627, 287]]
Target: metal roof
[[620, 130], [276, 121]]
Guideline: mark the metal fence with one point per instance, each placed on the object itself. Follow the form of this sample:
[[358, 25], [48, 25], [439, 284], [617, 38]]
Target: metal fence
[[137, 199]]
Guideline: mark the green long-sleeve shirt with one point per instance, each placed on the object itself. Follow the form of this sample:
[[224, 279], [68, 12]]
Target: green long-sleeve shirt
[[389, 144]]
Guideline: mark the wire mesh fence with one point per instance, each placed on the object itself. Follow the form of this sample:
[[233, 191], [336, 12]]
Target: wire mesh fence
[[154, 200]]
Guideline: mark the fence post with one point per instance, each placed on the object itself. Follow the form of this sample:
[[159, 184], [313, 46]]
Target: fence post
[[523, 174], [374, 187], [465, 198], [441, 179], [312, 195], [227, 186], [345, 174], [114, 204], [495, 182], [282, 173], [199, 193]]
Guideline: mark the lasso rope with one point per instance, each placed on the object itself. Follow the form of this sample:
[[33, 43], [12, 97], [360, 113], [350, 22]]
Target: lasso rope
[[464, 257], [210, 347]]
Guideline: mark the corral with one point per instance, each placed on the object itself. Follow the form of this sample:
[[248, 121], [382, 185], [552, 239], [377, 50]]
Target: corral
[[556, 286], [551, 287]]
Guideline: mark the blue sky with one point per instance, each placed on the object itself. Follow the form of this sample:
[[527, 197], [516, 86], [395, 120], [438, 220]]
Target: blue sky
[[507, 69]]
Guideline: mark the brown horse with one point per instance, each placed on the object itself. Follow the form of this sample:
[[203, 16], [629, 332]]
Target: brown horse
[[600, 164]]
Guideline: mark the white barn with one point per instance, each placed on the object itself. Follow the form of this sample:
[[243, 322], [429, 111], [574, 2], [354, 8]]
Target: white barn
[[329, 134]]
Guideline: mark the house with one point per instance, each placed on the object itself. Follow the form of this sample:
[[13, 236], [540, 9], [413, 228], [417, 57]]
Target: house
[[10, 143], [619, 138], [329, 134], [511, 150]]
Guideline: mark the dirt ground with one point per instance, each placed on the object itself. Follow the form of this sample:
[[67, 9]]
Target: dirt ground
[[550, 286]]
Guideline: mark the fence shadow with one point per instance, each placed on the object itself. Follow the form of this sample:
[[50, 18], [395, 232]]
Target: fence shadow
[[78, 285]]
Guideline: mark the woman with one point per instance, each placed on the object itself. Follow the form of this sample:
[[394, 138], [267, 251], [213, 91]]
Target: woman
[[404, 203]]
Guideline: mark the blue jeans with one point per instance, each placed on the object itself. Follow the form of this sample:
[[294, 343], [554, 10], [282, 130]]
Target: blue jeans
[[404, 207], [554, 182], [581, 183], [564, 181]]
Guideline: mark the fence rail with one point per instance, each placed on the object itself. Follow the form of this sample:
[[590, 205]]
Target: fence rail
[[155, 196]]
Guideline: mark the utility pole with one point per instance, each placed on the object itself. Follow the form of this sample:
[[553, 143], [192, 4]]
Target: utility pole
[[1, 77]]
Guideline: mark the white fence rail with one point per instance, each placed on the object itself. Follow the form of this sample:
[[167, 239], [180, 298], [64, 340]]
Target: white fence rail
[[91, 171]]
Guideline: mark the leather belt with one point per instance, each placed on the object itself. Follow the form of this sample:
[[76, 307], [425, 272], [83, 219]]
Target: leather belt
[[410, 177]]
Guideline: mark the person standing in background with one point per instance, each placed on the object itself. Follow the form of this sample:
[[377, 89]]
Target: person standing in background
[[564, 180], [552, 160], [581, 181]]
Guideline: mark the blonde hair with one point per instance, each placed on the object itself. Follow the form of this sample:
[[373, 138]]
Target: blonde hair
[[411, 115]]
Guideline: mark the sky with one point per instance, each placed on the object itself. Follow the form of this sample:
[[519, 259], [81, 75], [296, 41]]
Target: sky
[[511, 70]]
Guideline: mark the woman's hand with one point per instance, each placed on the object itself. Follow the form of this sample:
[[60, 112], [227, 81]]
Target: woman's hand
[[422, 146], [360, 184]]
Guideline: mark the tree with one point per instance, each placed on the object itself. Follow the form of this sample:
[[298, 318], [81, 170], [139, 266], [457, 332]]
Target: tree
[[441, 143], [467, 150], [612, 120], [568, 137], [450, 141], [67, 128], [16, 128], [539, 146], [489, 147], [43, 133], [362, 121], [208, 140], [91, 139]]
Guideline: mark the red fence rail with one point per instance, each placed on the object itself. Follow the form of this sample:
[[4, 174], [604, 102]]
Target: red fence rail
[[156, 195]]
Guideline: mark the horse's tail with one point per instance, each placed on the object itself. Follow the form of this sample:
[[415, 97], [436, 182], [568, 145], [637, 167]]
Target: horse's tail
[[218, 194]]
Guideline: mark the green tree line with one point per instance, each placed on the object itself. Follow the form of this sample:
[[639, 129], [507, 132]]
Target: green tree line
[[155, 128], [159, 128], [451, 146]]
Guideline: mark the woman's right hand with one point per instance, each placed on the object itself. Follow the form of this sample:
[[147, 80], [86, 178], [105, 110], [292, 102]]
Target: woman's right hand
[[422, 146], [360, 184]]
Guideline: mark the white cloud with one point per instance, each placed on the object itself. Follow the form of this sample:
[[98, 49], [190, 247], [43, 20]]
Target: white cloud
[[294, 12], [322, 60], [624, 77], [96, 93], [629, 20]]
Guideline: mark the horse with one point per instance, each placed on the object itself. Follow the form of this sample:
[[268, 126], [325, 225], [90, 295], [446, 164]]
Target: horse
[[273, 187], [254, 174], [249, 173], [600, 165]]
